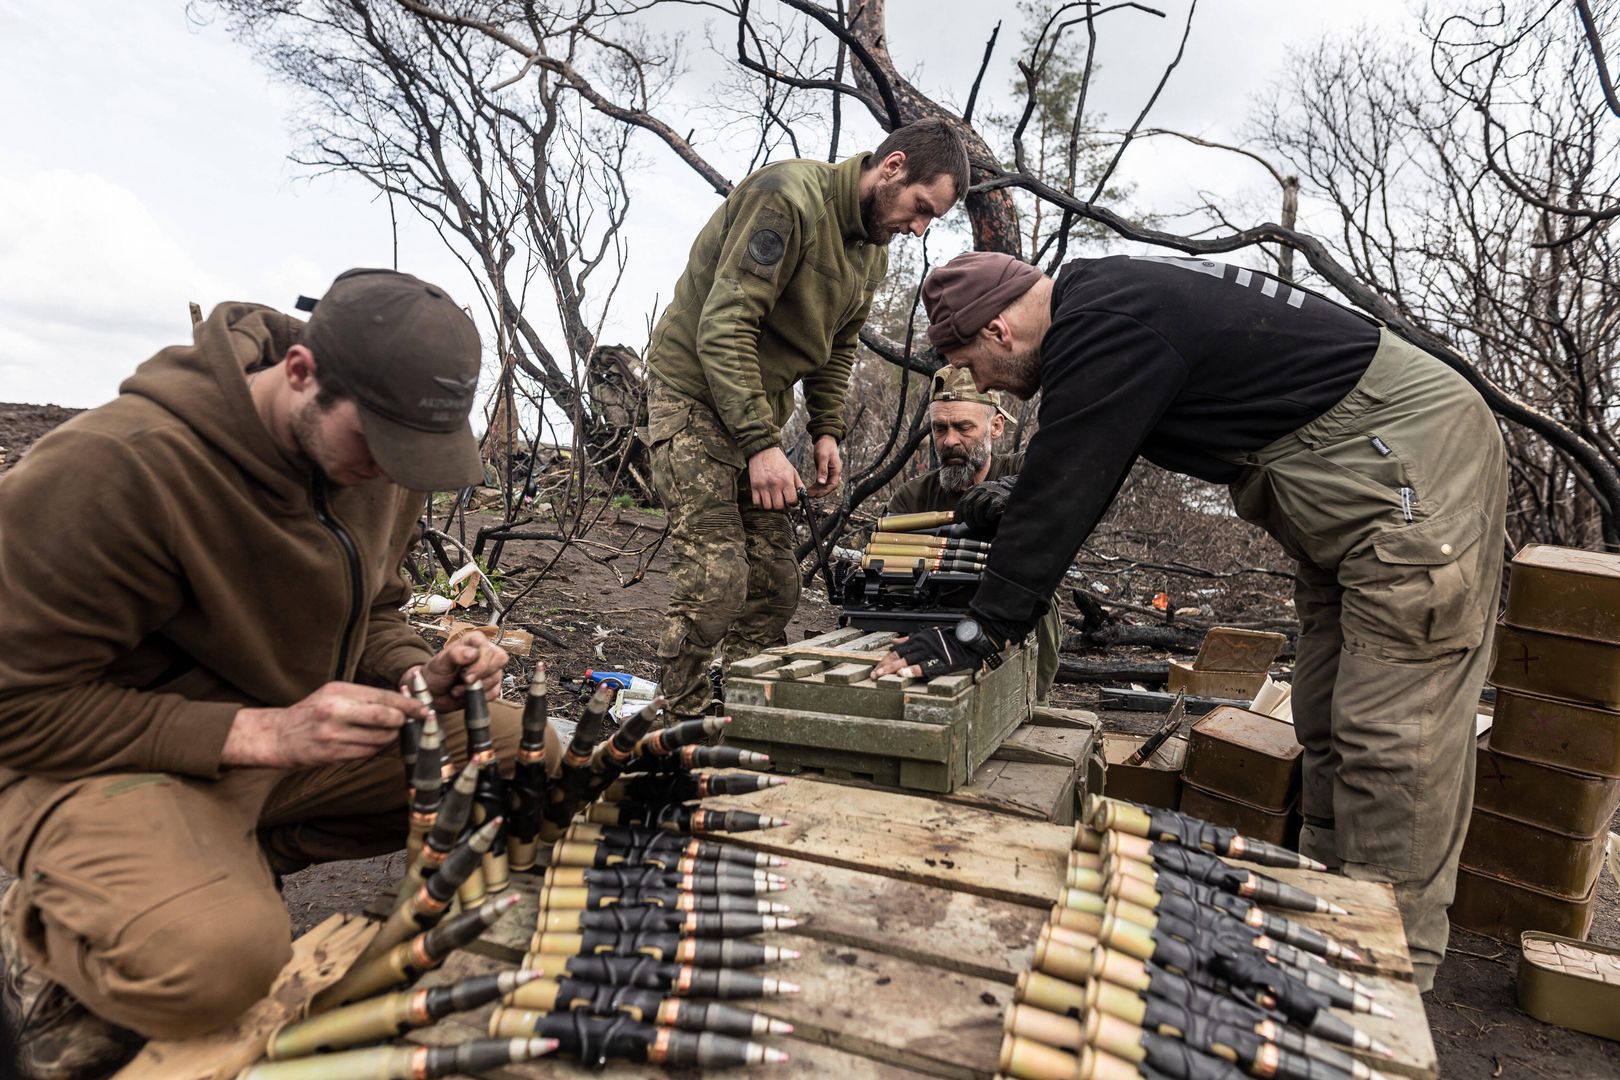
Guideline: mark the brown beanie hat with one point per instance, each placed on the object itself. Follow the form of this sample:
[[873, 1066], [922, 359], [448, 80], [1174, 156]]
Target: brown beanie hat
[[966, 293]]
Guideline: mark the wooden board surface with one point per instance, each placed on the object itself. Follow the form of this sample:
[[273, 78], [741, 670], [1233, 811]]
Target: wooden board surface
[[319, 957], [1373, 926], [954, 931], [1044, 792], [912, 838], [808, 1059], [920, 916]]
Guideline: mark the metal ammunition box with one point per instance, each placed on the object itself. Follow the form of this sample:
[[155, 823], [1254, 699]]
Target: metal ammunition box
[[1245, 756], [1529, 855], [1253, 821], [1566, 591], [1572, 669], [1156, 783], [1502, 910], [1564, 801], [1239, 685], [1573, 984], [815, 705], [1575, 737]]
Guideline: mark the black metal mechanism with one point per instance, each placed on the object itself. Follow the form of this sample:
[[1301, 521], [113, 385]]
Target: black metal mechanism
[[875, 598]]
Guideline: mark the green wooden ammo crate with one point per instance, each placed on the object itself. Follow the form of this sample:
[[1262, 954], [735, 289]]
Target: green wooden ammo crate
[[813, 705]]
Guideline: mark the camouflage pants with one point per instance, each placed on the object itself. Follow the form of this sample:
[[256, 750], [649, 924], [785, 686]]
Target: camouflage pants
[[735, 582]]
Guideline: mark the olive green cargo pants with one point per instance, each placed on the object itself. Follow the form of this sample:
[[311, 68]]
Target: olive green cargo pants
[[1048, 646], [1393, 502], [149, 896], [733, 575]]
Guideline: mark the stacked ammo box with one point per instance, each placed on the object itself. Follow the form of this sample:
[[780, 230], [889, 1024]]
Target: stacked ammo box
[[1243, 771], [1549, 769], [1238, 768]]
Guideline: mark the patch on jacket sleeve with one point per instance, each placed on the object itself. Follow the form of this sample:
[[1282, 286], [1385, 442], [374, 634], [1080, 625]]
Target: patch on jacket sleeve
[[768, 232]]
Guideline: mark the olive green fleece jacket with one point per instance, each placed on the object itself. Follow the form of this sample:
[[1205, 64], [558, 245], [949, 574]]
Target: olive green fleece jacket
[[162, 564], [775, 291]]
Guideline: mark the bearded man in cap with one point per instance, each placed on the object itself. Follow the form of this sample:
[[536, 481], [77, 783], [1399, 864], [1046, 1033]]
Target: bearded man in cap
[[201, 680], [1372, 463], [965, 425], [774, 295]]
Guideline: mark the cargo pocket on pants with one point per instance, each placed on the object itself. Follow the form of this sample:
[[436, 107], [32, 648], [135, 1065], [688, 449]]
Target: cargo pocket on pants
[[1428, 587]]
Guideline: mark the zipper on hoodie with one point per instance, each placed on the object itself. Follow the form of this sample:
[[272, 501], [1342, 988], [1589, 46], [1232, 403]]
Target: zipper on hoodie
[[357, 600]]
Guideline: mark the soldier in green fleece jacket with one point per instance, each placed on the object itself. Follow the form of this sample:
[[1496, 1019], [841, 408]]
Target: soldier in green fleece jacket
[[774, 294]]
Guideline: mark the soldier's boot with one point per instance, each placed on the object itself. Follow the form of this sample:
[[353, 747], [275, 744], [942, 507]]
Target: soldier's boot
[[56, 1037]]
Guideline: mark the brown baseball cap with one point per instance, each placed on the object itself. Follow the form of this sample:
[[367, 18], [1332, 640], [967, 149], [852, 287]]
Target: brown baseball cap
[[409, 356], [966, 293]]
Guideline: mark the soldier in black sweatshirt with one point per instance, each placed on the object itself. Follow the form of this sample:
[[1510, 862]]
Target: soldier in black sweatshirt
[[1374, 464]]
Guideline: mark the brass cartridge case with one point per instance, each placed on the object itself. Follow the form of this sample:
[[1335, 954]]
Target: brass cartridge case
[[1051, 994], [911, 522]]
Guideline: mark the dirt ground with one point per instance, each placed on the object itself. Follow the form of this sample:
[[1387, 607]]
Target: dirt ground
[[583, 618]]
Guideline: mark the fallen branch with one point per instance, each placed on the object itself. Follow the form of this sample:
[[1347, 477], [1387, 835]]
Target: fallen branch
[[1171, 638], [1071, 670]]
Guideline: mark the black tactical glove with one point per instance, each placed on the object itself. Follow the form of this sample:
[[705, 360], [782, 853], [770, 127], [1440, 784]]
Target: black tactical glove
[[940, 650], [981, 507]]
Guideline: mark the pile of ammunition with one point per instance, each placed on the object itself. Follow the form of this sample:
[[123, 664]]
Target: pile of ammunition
[[916, 570], [638, 916], [1162, 960], [908, 542]]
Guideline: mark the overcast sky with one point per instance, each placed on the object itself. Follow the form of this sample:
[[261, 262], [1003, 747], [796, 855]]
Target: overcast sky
[[144, 165]]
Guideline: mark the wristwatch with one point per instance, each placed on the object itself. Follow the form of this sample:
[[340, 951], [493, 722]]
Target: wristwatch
[[971, 636], [970, 633]]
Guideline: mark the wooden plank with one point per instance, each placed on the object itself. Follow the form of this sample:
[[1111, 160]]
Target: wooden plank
[[976, 793], [755, 666], [807, 1059], [1373, 926], [800, 669], [1407, 1033], [916, 839], [949, 685], [832, 656], [876, 641], [319, 957], [823, 641], [846, 674], [1047, 746], [1051, 716], [956, 931], [893, 1010], [1034, 790], [814, 693]]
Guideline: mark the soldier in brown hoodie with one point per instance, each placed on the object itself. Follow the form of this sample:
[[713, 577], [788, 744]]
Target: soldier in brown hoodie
[[202, 582]]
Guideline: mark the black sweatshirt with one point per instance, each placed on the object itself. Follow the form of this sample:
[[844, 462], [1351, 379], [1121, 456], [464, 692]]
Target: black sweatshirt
[[1186, 362]]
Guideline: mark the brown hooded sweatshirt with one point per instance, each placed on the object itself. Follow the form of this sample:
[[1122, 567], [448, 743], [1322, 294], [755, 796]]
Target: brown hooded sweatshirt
[[163, 563]]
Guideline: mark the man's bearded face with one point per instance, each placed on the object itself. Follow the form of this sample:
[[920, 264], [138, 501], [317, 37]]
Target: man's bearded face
[[895, 206], [964, 432]]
